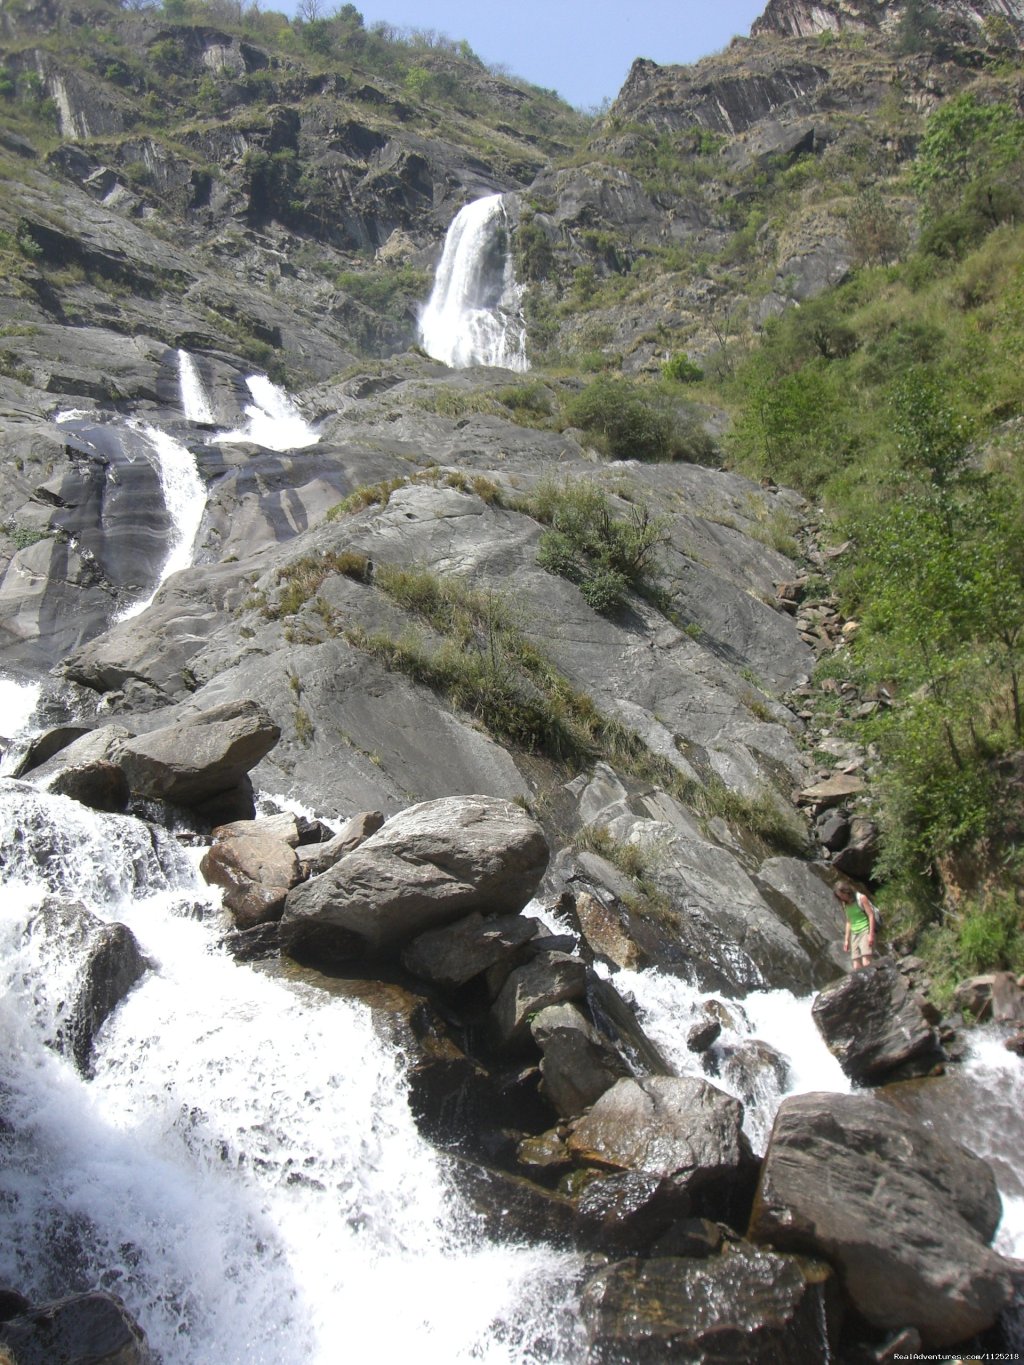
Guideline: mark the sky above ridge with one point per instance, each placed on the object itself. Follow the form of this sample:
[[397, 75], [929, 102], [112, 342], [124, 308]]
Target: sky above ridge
[[581, 48]]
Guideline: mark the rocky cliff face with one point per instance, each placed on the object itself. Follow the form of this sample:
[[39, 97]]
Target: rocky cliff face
[[371, 558], [794, 19]]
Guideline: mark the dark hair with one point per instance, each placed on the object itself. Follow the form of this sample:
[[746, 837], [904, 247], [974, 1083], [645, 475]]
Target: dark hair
[[844, 891]]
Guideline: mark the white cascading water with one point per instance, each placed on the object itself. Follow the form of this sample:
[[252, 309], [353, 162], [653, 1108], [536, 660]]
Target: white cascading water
[[184, 499], [272, 419], [242, 1168], [195, 401], [474, 314]]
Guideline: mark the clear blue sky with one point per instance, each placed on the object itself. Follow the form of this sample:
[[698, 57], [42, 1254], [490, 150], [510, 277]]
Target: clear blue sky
[[581, 48]]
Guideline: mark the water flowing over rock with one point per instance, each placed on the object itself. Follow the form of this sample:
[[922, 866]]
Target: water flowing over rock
[[747, 1305], [903, 1213], [99, 964], [473, 316], [93, 1327]]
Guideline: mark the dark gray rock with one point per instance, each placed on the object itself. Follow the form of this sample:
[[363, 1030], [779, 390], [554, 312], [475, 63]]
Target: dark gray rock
[[82, 1329], [578, 1065], [318, 857], [452, 956], [36, 750], [101, 963], [100, 785], [905, 1215], [552, 979], [858, 857], [429, 866], [629, 1211], [873, 1023], [199, 757], [745, 1305]]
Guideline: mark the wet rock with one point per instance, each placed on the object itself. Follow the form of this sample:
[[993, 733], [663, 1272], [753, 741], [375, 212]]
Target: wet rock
[[873, 1024], [606, 934], [752, 1069], [100, 964], [201, 757], [549, 980], [682, 1130], [513, 1206], [745, 1305], [577, 1065], [904, 1214], [629, 1211], [82, 1329], [454, 955], [100, 785], [702, 1035], [255, 866], [429, 866]]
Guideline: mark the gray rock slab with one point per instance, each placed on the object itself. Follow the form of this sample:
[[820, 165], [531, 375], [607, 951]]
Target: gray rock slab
[[200, 757]]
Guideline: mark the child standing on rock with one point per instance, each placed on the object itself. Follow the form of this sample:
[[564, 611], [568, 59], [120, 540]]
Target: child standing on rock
[[859, 939]]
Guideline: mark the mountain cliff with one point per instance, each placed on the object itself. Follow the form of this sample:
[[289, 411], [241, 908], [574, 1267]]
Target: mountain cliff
[[666, 591]]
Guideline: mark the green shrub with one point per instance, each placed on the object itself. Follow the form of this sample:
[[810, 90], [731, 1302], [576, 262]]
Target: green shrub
[[681, 370], [628, 420]]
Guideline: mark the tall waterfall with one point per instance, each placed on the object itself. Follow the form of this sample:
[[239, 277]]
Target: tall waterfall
[[184, 498], [474, 314], [195, 402]]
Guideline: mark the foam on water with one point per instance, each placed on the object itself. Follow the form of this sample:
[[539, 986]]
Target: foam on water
[[273, 420], [18, 700], [243, 1168], [474, 314], [185, 500]]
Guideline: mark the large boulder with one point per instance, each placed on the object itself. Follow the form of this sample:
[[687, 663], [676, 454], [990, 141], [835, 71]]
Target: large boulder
[[746, 1305], [200, 757], [255, 866], [873, 1024], [905, 1215], [98, 964], [429, 866], [82, 1329], [680, 1129]]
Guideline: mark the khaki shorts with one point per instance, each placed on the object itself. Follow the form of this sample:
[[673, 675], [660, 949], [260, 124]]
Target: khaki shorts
[[861, 945]]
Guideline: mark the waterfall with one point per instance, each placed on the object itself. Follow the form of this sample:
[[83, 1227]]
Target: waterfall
[[978, 1103], [184, 498], [474, 314], [195, 402], [273, 420], [242, 1168]]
